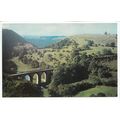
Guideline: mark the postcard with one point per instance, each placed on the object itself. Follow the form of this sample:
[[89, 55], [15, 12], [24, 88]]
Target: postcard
[[59, 59]]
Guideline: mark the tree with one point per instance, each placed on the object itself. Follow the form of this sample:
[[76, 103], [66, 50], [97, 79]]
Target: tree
[[9, 67], [98, 53], [70, 73], [104, 72], [75, 44], [76, 59], [107, 52], [99, 70], [85, 47], [35, 64], [24, 60], [112, 44], [90, 42], [75, 52], [105, 33], [50, 57]]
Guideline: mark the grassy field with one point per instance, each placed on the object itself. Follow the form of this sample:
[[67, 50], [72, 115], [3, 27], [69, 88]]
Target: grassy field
[[95, 50], [20, 65], [45, 92], [108, 91]]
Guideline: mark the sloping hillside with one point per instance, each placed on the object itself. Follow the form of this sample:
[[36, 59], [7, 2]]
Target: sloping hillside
[[13, 43], [81, 40], [20, 51], [98, 38]]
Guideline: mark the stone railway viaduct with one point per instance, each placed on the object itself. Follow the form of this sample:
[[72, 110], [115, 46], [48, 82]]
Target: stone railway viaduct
[[47, 73]]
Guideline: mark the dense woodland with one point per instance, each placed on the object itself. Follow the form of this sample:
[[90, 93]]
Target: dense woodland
[[84, 65]]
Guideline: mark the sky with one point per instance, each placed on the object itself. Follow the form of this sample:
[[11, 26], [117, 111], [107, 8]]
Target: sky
[[61, 29]]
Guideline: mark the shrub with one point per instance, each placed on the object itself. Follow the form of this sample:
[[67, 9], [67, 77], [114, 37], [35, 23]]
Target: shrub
[[94, 79], [75, 52], [104, 72], [35, 64], [112, 44], [26, 90], [53, 89], [8, 87], [107, 52], [99, 70], [12, 88], [69, 89], [98, 95], [24, 59], [92, 95], [101, 95], [109, 82], [85, 47], [90, 42], [84, 86]]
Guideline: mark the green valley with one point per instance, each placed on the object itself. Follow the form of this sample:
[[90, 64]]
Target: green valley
[[83, 65]]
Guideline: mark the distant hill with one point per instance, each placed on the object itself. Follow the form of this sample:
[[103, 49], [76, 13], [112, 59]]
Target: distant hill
[[43, 41], [97, 38], [60, 44], [13, 43], [81, 40]]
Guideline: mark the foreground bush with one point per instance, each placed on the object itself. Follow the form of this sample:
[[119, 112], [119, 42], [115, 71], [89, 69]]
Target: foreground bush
[[26, 90], [69, 89], [23, 89], [98, 95], [96, 80], [99, 70], [109, 82], [8, 87]]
